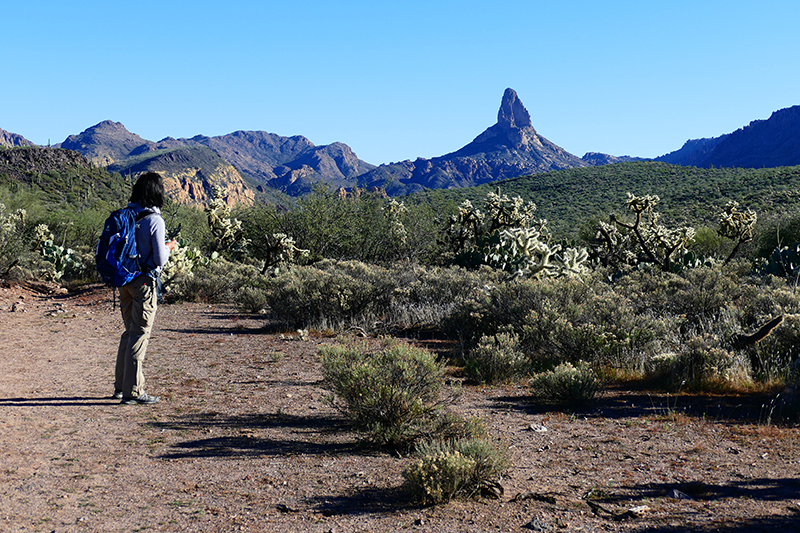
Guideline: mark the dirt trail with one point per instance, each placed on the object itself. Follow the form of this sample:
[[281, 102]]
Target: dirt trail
[[242, 441]]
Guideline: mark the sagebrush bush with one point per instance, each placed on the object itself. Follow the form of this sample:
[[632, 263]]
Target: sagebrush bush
[[217, 282], [443, 470], [567, 383], [337, 294], [327, 294], [497, 358], [393, 394]]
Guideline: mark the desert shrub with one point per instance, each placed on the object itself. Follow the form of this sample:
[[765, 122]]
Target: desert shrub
[[425, 296], [218, 281], [497, 358], [443, 470], [567, 383], [358, 225], [393, 394], [329, 293], [340, 293], [560, 320], [774, 358], [701, 362], [703, 293], [251, 299]]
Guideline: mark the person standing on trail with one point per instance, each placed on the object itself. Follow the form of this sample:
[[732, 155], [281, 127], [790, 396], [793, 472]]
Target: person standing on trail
[[139, 298]]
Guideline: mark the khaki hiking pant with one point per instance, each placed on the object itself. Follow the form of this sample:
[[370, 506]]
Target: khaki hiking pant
[[138, 302]]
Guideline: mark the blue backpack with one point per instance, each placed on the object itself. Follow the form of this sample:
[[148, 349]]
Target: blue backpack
[[117, 257]]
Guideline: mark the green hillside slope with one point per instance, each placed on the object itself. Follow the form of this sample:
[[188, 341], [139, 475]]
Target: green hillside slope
[[570, 198]]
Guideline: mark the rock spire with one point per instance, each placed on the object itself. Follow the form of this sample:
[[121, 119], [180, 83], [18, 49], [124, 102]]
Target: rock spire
[[512, 113]]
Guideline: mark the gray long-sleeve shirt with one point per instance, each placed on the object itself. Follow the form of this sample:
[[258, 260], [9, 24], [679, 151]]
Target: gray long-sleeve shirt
[[151, 239]]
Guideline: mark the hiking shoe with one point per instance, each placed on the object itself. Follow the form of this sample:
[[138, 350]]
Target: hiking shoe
[[142, 399], [117, 395]]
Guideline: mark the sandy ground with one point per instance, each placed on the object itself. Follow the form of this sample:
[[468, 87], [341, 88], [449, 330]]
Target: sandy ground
[[243, 441]]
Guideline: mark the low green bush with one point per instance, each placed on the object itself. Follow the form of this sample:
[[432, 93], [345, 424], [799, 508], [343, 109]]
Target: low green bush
[[338, 294], [219, 281], [567, 383], [497, 358], [393, 394]]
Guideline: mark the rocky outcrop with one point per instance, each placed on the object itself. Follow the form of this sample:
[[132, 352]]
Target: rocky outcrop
[[10, 140], [190, 174], [509, 148], [597, 159], [193, 186]]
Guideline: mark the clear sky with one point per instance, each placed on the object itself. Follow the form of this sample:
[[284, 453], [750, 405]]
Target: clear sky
[[400, 80]]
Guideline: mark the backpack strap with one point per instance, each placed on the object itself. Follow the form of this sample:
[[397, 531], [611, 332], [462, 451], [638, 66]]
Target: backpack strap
[[139, 217], [143, 214]]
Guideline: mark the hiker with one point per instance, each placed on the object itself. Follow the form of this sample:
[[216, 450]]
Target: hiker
[[138, 298]]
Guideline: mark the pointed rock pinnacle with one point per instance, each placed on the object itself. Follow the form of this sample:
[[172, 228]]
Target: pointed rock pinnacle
[[512, 113]]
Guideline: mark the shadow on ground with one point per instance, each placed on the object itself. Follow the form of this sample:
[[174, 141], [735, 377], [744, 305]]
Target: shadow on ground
[[619, 404], [313, 436], [365, 501], [63, 401]]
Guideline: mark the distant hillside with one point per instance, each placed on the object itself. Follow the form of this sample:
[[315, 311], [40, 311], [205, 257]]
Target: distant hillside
[[574, 197], [249, 163], [510, 148], [290, 164], [63, 176], [774, 142], [107, 143], [9, 139]]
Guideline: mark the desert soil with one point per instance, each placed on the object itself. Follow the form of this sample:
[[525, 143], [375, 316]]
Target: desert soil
[[242, 440]]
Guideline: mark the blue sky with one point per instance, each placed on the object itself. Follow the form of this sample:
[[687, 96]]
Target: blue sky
[[400, 80]]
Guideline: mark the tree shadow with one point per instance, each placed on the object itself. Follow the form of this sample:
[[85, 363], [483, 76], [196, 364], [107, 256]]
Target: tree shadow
[[63, 401], [761, 489], [619, 404], [769, 524], [370, 500], [777, 491], [312, 436]]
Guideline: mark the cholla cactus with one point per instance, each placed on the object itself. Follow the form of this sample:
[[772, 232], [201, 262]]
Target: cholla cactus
[[658, 244], [281, 248], [509, 238], [738, 225], [507, 212], [395, 210], [466, 226], [227, 231], [182, 262]]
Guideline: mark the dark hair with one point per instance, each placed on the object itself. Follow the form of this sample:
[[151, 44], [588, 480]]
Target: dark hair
[[148, 191]]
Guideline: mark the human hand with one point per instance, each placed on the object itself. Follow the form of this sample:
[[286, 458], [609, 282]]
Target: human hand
[[172, 244]]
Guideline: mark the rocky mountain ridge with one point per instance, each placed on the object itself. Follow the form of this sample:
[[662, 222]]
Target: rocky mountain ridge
[[253, 163], [774, 142]]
